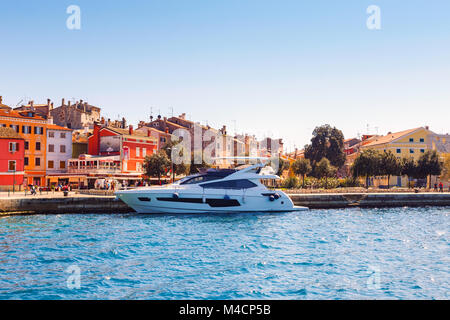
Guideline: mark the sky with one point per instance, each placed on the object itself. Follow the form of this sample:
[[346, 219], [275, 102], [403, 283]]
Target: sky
[[270, 68]]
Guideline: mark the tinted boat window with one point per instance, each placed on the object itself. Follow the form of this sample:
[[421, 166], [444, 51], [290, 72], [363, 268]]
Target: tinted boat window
[[230, 184], [199, 179]]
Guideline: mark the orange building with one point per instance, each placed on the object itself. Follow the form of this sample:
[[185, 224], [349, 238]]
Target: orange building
[[33, 129]]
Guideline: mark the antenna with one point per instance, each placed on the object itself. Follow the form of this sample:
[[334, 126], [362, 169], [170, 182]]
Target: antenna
[[171, 109]]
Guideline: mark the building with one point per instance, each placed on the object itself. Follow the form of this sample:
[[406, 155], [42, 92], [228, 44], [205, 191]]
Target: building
[[404, 144], [11, 159], [42, 110], [75, 116], [32, 128], [59, 151], [79, 143], [161, 137], [114, 153]]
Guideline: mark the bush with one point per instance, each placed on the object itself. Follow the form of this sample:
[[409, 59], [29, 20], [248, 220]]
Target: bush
[[290, 183], [349, 182]]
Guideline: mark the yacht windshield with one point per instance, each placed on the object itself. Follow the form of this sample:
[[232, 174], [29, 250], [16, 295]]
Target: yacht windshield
[[207, 175]]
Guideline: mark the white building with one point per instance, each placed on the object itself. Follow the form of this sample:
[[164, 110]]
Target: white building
[[59, 148]]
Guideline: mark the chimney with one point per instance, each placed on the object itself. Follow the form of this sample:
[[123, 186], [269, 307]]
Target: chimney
[[48, 103], [148, 132], [224, 129], [1, 99], [68, 103], [427, 127], [81, 101], [32, 104], [102, 121], [51, 106], [63, 101], [183, 116], [130, 130]]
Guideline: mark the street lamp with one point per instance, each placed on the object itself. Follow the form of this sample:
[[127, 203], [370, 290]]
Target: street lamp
[[171, 162]]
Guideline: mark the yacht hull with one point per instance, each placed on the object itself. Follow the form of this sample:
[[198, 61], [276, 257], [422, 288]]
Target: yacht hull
[[174, 201]]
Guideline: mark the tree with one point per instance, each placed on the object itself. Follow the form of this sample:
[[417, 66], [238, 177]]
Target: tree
[[194, 167], [390, 165], [429, 165], [446, 168], [409, 168], [168, 148], [156, 164], [302, 167], [324, 169], [282, 165], [327, 142], [367, 164]]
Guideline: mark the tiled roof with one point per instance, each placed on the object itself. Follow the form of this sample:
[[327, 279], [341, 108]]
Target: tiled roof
[[390, 137], [126, 132], [6, 132], [16, 114], [56, 127]]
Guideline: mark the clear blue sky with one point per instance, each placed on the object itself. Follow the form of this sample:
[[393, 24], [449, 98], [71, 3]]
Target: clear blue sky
[[273, 67]]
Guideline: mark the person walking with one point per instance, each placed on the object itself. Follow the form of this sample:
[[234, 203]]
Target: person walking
[[441, 187]]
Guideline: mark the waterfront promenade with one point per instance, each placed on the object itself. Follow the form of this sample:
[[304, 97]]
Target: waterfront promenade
[[106, 202]]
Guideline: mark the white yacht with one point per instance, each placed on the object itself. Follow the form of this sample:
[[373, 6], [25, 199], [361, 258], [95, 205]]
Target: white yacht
[[212, 190]]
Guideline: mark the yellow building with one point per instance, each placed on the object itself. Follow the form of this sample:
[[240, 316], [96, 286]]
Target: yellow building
[[404, 144]]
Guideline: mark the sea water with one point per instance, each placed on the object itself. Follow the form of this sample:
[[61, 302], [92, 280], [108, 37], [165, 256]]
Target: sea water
[[395, 253]]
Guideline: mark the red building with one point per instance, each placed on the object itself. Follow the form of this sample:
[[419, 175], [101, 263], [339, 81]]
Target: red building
[[12, 153], [115, 153]]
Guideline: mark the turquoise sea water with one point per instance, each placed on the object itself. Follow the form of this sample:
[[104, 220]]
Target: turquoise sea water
[[401, 253]]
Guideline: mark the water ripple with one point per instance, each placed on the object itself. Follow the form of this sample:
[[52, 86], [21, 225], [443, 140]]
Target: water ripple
[[400, 253]]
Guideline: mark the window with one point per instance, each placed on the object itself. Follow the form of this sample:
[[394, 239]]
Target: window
[[38, 146], [51, 134], [38, 130], [399, 151], [62, 148], [422, 140], [163, 139], [138, 152], [37, 162], [63, 135], [62, 164], [422, 150], [50, 164], [198, 179], [51, 148], [144, 152], [26, 129], [411, 139], [12, 165], [411, 150], [15, 127], [25, 161], [13, 146], [230, 184], [27, 145]]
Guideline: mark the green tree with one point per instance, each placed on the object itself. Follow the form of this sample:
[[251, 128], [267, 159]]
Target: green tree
[[390, 165], [367, 164], [282, 166], [156, 164], [409, 168], [446, 168], [173, 146], [324, 169], [429, 165], [327, 142], [302, 167], [194, 167]]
